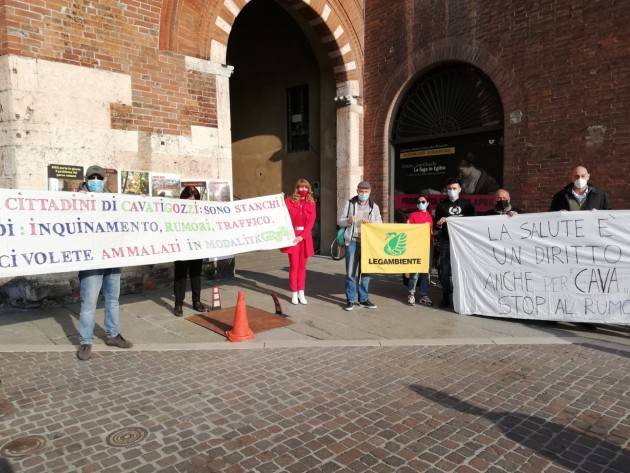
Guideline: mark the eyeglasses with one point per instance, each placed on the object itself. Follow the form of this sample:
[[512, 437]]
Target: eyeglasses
[[95, 176]]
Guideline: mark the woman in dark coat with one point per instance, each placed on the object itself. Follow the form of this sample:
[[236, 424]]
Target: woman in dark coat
[[188, 267]]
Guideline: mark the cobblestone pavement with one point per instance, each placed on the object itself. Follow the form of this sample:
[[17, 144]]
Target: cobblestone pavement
[[547, 408]]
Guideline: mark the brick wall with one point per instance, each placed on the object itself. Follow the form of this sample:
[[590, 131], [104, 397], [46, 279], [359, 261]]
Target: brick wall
[[120, 37], [564, 65]]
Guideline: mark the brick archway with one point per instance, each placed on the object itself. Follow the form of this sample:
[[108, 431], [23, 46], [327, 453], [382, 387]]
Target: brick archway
[[201, 29], [379, 124]]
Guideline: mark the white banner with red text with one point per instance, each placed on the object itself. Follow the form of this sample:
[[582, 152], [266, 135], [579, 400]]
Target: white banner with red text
[[563, 266], [49, 232]]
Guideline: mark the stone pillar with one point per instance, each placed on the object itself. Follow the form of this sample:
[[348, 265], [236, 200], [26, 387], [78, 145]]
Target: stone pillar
[[223, 144], [349, 163]]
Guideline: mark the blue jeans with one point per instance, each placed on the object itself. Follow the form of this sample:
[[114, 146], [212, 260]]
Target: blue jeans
[[423, 290], [353, 260], [91, 283]]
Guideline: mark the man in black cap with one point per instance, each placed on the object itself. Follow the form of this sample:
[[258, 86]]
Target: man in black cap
[[91, 282]]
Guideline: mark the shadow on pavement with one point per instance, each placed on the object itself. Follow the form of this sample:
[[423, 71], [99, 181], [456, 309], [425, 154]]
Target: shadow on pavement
[[321, 285], [318, 285], [64, 320], [612, 351], [558, 443]]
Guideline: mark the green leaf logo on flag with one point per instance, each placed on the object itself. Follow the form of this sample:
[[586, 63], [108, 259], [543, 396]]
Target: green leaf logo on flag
[[396, 244]]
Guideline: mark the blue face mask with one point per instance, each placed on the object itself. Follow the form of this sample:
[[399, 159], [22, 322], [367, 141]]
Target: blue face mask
[[363, 197], [95, 185], [423, 206]]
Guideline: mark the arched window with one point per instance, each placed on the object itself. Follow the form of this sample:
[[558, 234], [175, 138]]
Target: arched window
[[448, 124]]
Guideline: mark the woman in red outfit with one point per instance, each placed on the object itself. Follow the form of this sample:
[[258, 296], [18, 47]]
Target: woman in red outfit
[[301, 206]]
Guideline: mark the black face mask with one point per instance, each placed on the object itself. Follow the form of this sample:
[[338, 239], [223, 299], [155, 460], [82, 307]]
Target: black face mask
[[502, 205]]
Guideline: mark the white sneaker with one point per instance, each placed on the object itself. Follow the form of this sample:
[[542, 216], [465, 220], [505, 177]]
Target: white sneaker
[[301, 298], [294, 298]]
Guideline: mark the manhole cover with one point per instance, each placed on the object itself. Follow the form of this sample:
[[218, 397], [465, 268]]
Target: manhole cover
[[24, 446], [127, 436]]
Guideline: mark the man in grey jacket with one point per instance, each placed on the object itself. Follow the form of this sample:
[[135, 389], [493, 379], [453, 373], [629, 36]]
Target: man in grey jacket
[[360, 209]]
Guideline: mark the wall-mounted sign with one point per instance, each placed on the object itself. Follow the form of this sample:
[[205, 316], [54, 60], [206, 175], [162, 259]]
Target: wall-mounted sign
[[64, 177]]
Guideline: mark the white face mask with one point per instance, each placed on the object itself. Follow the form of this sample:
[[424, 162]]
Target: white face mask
[[453, 194], [580, 183]]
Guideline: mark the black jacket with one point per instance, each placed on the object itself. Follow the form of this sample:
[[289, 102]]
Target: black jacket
[[595, 199], [459, 208]]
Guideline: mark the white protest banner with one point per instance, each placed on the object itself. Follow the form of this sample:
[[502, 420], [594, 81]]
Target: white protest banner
[[50, 232], [566, 266]]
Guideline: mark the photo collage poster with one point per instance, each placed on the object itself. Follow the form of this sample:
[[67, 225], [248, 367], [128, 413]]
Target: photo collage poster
[[64, 177], [219, 191]]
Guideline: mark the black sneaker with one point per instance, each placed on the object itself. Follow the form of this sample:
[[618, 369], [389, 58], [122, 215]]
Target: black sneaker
[[367, 304], [199, 307], [85, 352], [118, 341], [178, 310], [349, 306]]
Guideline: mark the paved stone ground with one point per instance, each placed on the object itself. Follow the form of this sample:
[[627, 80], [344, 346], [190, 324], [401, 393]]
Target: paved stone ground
[[471, 408], [147, 318]]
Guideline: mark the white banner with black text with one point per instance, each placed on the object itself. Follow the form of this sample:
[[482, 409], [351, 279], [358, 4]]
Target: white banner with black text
[[564, 266]]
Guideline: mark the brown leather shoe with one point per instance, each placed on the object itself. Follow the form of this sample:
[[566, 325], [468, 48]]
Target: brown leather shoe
[[84, 352], [118, 341], [178, 310]]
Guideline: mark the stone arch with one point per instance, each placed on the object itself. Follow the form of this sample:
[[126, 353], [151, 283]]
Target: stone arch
[[379, 127], [200, 28]]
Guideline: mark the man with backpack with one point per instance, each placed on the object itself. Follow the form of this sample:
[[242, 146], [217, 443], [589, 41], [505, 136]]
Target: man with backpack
[[358, 210]]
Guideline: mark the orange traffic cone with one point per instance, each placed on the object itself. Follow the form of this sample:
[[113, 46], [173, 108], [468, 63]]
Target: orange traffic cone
[[240, 329]]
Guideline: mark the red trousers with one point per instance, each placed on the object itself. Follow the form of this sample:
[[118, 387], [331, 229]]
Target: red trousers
[[297, 270]]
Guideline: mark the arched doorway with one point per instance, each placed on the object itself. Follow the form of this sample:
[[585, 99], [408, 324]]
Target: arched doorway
[[281, 105], [448, 124]]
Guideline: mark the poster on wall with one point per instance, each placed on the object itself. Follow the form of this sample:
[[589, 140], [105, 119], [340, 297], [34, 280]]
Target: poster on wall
[[200, 184], [111, 180], [63, 177], [165, 185], [424, 167], [134, 182], [218, 191]]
